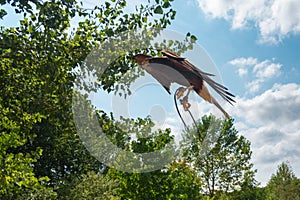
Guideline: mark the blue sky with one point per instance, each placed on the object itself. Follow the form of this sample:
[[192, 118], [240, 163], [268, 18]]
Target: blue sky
[[255, 47]]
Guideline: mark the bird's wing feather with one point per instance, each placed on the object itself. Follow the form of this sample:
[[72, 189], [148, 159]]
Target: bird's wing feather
[[160, 77], [182, 60], [220, 89], [162, 70], [171, 55], [159, 68]]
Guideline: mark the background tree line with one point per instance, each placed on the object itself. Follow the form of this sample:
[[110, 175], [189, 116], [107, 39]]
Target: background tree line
[[41, 154]]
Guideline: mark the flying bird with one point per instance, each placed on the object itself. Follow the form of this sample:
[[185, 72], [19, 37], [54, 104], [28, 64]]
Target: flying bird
[[172, 68]]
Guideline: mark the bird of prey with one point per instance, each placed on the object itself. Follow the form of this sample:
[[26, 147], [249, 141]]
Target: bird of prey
[[172, 68]]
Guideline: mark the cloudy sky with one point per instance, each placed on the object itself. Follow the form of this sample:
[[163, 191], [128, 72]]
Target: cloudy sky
[[255, 45], [255, 48]]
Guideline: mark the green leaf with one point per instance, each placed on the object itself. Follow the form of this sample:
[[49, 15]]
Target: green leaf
[[193, 38], [166, 5], [158, 10], [2, 13]]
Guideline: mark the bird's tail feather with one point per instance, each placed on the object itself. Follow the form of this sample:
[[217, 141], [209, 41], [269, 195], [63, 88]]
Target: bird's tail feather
[[204, 93], [220, 108]]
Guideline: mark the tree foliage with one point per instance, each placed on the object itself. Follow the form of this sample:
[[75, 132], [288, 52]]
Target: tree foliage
[[283, 184], [220, 156], [40, 149], [177, 181], [93, 186]]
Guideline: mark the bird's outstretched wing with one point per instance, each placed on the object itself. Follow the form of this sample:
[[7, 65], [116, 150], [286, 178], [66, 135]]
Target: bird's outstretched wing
[[220, 89], [161, 69], [182, 60], [158, 73]]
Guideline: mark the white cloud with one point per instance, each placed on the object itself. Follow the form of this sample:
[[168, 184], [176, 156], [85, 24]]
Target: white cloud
[[282, 100], [267, 69], [271, 122], [261, 71], [242, 72], [275, 19], [242, 65], [254, 86], [244, 61]]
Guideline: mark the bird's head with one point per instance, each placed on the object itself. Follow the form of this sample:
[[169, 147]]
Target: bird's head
[[140, 58]]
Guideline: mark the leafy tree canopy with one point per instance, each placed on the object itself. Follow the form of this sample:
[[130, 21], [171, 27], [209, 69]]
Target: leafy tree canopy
[[219, 155], [40, 150], [283, 184]]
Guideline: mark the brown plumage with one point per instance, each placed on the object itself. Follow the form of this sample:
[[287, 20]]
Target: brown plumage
[[171, 68]]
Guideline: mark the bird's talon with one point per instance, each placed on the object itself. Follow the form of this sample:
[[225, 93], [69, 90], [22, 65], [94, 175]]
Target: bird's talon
[[180, 92], [185, 103], [186, 106]]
